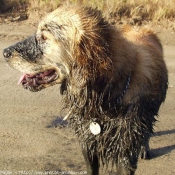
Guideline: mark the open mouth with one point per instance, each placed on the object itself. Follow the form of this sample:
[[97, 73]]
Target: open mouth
[[38, 81]]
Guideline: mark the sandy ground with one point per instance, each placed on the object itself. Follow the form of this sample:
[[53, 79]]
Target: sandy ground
[[30, 142]]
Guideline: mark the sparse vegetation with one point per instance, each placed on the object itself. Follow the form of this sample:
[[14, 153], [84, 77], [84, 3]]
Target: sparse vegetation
[[149, 10], [10, 5]]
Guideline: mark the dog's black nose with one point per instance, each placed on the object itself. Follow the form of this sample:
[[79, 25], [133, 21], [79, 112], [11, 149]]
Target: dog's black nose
[[7, 53], [28, 49]]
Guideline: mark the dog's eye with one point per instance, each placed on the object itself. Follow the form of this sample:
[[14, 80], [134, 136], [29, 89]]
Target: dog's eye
[[43, 37]]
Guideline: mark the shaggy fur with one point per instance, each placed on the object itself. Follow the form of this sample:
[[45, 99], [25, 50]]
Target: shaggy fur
[[117, 79]]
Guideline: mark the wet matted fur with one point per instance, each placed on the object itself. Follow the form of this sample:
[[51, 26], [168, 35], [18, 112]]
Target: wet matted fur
[[116, 78]]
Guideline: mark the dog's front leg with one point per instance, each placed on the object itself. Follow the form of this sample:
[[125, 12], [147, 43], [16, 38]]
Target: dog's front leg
[[92, 165]]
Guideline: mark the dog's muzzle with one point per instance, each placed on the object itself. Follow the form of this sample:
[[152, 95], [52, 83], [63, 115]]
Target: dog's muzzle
[[26, 55], [28, 49]]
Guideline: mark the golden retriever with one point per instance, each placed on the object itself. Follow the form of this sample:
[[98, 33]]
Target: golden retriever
[[113, 82]]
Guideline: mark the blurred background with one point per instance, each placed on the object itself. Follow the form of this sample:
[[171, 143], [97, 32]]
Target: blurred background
[[135, 11]]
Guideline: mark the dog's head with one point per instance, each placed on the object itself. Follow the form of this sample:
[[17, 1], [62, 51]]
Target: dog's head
[[67, 41]]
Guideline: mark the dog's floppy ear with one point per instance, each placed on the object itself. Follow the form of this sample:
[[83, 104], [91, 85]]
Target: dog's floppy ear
[[92, 53], [78, 76]]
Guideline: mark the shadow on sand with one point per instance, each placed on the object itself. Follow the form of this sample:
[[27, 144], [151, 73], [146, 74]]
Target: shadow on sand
[[58, 122], [163, 150], [160, 133]]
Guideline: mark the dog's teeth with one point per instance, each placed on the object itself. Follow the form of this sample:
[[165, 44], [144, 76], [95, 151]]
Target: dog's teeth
[[28, 78], [34, 82]]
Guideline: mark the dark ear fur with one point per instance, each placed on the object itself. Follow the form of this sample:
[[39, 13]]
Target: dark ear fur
[[92, 52]]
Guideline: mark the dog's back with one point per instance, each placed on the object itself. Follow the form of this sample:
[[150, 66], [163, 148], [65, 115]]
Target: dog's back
[[143, 36]]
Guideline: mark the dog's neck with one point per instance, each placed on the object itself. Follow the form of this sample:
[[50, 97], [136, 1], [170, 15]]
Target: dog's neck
[[94, 101]]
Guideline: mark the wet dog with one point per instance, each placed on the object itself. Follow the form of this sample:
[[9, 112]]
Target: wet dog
[[113, 82]]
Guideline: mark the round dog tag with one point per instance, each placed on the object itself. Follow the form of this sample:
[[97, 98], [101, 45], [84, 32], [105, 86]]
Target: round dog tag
[[95, 128]]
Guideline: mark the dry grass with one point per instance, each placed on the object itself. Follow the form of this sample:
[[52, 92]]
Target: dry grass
[[9, 5], [149, 10]]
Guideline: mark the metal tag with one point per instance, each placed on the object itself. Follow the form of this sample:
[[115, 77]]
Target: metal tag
[[95, 128]]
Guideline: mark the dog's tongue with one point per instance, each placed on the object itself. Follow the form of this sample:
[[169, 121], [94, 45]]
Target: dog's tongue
[[21, 78]]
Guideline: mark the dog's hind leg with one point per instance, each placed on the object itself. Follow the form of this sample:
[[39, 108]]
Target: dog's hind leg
[[92, 164]]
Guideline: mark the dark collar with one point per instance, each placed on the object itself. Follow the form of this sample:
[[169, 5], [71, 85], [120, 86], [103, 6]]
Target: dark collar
[[125, 89]]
